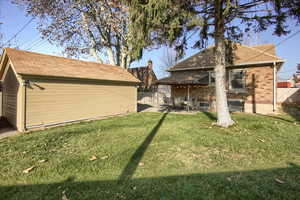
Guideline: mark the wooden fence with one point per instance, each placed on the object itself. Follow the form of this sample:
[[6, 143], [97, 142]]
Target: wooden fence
[[153, 98]]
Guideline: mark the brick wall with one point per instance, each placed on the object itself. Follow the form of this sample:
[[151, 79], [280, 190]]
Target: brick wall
[[259, 81], [258, 96]]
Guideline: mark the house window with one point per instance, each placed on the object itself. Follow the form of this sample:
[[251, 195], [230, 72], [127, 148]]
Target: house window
[[237, 79], [204, 106], [212, 78], [236, 105]]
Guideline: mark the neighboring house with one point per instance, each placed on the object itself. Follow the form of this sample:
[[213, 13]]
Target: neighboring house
[[42, 90], [250, 80], [146, 75], [296, 77], [285, 84]]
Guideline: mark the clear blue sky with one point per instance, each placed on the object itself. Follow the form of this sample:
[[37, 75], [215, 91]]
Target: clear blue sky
[[14, 18]]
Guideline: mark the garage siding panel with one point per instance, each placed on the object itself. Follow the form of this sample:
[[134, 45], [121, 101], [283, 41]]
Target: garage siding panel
[[9, 97], [58, 102]]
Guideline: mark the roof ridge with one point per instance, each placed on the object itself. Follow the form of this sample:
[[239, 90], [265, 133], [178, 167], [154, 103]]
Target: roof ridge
[[195, 54], [50, 65], [61, 57]]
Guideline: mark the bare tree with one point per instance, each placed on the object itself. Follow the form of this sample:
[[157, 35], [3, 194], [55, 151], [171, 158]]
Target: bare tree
[[1, 35], [1, 38], [168, 59], [96, 28]]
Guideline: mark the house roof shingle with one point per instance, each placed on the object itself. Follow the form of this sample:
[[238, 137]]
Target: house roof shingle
[[29, 63], [141, 73], [198, 79], [242, 55]]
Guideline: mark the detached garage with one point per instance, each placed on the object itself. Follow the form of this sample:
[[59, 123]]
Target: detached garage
[[41, 90]]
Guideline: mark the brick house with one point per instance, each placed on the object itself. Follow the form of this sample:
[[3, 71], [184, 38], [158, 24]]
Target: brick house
[[296, 77], [250, 80], [146, 75], [285, 83]]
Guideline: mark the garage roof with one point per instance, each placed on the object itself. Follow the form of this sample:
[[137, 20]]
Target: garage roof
[[30, 63]]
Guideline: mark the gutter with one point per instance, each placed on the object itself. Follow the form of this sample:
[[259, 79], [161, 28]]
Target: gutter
[[274, 87], [235, 65]]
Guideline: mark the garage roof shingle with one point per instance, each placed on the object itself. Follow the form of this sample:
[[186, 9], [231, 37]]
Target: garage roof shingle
[[29, 63]]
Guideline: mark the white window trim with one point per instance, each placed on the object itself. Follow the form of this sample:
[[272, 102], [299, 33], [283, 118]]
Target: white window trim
[[204, 107], [239, 100], [230, 79]]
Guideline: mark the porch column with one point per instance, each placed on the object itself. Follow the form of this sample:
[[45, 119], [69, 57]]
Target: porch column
[[188, 98]]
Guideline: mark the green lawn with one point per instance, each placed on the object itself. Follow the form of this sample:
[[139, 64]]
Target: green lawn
[[155, 156]]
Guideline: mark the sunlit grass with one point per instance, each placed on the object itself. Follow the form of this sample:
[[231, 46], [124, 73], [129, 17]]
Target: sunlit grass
[[187, 158]]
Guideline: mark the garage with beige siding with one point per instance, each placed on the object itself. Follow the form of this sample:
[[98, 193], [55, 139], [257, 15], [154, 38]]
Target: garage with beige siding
[[54, 101], [41, 90], [10, 87]]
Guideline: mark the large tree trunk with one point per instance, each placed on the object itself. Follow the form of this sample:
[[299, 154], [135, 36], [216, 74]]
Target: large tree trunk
[[224, 118]]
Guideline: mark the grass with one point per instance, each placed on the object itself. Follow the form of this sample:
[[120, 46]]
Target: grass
[[156, 156]]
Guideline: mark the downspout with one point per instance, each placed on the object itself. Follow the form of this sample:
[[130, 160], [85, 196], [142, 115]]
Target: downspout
[[188, 98], [25, 104], [274, 87]]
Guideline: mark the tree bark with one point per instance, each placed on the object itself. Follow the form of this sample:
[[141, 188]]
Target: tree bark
[[224, 118], [111, 56], [123, 58], [93, 48]]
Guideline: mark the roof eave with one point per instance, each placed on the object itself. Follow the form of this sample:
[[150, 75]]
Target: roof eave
[[24, 76], [2, 62]]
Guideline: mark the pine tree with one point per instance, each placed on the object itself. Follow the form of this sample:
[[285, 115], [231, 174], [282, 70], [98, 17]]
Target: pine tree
[[156, 22]]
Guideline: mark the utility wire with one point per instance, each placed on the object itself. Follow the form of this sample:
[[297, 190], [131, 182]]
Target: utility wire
[[39, 41], [40, 44], [17, 33], [37, 44], [276, 45], [287, 71], [29, 42]]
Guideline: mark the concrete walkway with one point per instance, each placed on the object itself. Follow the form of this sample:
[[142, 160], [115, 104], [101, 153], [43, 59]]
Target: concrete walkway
[[7, 132], [162, 109]]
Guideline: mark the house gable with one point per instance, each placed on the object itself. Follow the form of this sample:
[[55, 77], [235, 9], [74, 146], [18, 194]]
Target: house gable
[[242, 55], [5, 66]]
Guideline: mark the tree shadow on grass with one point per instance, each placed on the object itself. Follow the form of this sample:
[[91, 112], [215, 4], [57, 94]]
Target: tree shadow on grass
[[295, 116], [277, 183], [210, 115], [141, 107], [293, 111], [135, 159]]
